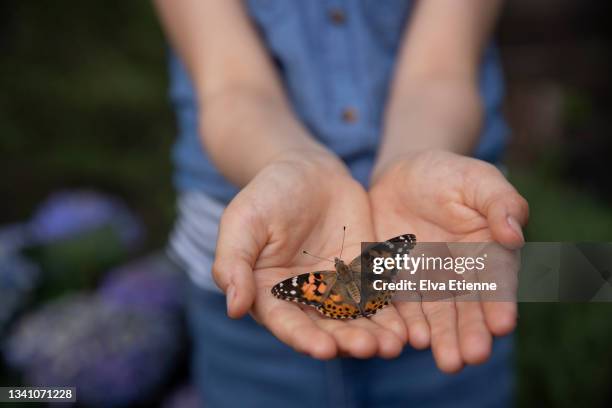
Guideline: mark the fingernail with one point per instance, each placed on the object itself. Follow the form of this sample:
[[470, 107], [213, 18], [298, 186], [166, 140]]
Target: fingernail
[[516, 227], [229, 296]]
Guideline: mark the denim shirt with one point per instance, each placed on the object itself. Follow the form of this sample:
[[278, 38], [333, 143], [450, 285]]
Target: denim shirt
[[335, 58]]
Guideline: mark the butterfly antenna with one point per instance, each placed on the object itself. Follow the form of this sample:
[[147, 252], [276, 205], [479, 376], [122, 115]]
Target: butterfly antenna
[[343, 236], [318, 257]]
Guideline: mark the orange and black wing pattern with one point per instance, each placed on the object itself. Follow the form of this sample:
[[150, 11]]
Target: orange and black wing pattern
[[308, 288], [321, 290]]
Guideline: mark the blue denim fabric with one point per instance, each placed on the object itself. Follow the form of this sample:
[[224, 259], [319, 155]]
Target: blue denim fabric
[[327, 66], [237, 363]]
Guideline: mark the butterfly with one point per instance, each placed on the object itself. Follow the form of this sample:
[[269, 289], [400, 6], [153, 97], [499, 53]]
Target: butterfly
[[346, 293]]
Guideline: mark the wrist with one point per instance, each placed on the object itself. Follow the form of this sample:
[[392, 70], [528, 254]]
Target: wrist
[[315, 160], [245, 130], [406, 163], [392, 162], [452, 99], [428, 117]]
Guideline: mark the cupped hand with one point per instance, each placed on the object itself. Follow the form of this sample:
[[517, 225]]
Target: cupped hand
[[444, 197], [299, 202]]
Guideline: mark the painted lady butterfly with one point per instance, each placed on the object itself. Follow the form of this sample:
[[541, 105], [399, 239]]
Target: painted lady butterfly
[[346, 293]]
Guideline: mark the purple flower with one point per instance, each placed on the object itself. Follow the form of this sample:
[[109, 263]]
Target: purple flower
[[18, 279], [66, 214], [152, 283], [115, 356]]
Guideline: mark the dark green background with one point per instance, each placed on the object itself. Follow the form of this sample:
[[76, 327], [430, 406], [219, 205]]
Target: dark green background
[[83, 104]]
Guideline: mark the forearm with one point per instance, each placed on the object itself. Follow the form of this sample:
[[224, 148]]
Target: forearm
[[245, 117], [434, 101], [244, 130]]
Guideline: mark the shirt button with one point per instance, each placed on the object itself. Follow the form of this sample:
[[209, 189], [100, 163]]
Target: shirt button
[[337, 16], [349, 115]]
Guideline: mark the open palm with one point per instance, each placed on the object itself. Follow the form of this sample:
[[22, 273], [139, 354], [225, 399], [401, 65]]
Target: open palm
[[287, 208], [442, 197]]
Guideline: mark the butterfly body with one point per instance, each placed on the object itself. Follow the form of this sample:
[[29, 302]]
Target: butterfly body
[[346, 292], [348, 279]]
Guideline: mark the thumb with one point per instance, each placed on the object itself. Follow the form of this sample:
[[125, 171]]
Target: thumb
[[506, 210], [236, 253]]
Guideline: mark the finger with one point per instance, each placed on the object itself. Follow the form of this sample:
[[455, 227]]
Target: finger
[[238, 246], [499, 307], [389, 344], [390, 319], [442, 319], [291, 325], [505, 209], [500, 317], [351, 340], [474, 336], [416, 323], [506, 215]]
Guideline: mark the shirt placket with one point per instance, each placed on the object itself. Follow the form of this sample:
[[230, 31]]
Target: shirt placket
[[341, 64]]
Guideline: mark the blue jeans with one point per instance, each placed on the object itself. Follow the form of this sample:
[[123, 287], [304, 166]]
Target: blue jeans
[[238, 363]]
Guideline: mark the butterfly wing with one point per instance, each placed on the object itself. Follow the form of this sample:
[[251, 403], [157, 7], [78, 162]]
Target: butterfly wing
[[339, 304], [362, 268], [308, 288], [320, 290], [398, 245]]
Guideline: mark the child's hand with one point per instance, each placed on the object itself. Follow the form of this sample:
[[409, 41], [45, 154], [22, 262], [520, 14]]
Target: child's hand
[[444, 197], [299, 201]]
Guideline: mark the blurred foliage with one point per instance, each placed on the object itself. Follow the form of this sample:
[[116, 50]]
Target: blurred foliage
[[83, 103], [564, 350]]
